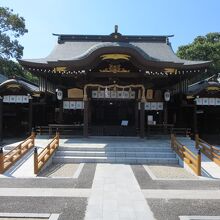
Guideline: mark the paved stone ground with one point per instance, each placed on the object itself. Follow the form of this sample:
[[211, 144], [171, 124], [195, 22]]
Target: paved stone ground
[[169, 172], [68, 208], [146, 182], [113, 191], [171, 209], [116, 195], [23, 218], [59, 170], [117, 192], [84, 180]]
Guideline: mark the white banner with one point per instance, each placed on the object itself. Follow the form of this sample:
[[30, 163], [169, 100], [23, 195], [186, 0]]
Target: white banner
[[198, 101], [94, 94], [152, 106], [147, 106], [126, 95], [25, 99], [160, 106], [101, 94], [113, 94], [217, 101], [15, 99], [6, 98], [72, 105], [66, 105], [19, 99], [132, 94], [208, 101], [211, 101], [119, 94]]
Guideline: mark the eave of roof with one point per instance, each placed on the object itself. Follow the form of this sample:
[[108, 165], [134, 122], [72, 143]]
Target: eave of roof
[[27, 86], [78, 49], [198, 87]]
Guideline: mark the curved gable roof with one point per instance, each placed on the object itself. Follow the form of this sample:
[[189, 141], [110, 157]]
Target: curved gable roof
[[73, 48]]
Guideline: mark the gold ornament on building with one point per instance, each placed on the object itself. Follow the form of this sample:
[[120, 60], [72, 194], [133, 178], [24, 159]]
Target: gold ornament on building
[[114, 69], [115, 56], [59, 69]]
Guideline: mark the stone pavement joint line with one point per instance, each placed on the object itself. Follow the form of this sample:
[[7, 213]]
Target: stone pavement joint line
[[44, 192], [181, 194], [116, 195]]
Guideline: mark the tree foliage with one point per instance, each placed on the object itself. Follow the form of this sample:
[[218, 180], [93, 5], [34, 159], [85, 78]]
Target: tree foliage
[[12, 26], [203, 48]]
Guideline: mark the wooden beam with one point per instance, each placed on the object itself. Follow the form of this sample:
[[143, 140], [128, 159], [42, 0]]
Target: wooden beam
[[142, 120], [1, 119], [61, 111], [86, 119], [30, 114], [136, 115], [195, 126]]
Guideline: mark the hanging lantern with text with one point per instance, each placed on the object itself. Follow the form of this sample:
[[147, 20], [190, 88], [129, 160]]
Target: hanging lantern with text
[[167, 96]]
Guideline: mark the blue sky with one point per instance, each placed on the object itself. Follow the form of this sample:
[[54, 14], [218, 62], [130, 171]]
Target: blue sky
[[186, 19]]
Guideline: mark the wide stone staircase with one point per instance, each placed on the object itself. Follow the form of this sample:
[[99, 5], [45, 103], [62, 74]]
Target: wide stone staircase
[[115, 150]]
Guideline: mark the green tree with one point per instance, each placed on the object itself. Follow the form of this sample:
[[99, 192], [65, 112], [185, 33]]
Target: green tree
[[203, 48], [12, 26]]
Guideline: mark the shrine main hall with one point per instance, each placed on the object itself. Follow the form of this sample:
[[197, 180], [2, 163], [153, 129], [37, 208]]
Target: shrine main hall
[[110, 85]]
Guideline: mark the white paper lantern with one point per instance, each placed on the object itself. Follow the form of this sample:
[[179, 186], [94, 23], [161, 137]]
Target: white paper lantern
[[167, 96]]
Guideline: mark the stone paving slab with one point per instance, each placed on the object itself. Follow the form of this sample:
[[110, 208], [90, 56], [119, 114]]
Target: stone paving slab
[[84, 180], [199, 217], [28, 216], [44, 192], [59, 170], [172, 209], [1, 218], [67, 208], [116, 195], [146, 182], [168, 172], [181, 194]]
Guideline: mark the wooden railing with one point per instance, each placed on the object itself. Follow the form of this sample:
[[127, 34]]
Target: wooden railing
[[213, 153], [181, 131], [192, 160], [8, 159], [41, 158]]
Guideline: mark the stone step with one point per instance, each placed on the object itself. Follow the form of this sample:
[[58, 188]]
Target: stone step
[[129, 160], [117, 149], [146, 154]]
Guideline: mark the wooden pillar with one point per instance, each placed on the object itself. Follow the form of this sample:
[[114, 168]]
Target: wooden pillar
[[142, 120], [60, 111], [30, 114], [136, 116], [1, 160], [1, 119], [86, 118], [195, 126], [165, 116], [35, 161]]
